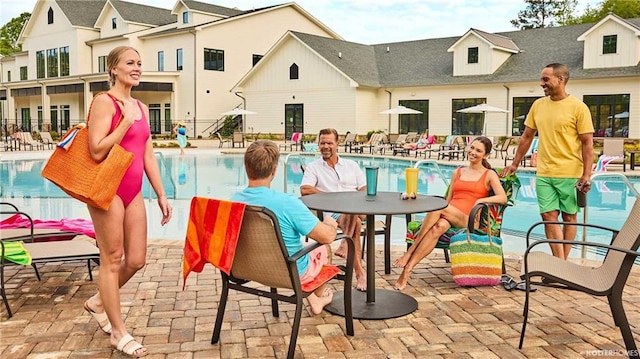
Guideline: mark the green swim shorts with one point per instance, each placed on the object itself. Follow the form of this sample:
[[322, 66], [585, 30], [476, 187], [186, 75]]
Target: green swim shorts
[[557, 194]]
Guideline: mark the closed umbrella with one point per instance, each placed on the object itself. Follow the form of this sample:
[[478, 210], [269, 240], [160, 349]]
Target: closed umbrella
[[400, 110], [482, 108]]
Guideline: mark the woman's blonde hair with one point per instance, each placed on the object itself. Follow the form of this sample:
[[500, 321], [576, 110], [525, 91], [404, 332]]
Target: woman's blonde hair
[[113, 58]]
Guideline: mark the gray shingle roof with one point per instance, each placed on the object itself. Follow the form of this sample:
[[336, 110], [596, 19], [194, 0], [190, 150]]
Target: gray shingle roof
[[143, 14], [427, 62], [211, 9], [497, 40], [84, 13]]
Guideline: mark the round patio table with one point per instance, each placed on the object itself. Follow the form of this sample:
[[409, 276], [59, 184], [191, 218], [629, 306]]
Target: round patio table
[[379, 303]]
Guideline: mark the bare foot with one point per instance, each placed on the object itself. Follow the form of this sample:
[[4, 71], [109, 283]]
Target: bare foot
[[361, 281], [402, 261], [401, 283], [317, 304], [342, 250]]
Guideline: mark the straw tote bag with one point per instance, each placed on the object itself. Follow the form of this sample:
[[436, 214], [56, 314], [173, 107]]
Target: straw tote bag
[[72, 169]]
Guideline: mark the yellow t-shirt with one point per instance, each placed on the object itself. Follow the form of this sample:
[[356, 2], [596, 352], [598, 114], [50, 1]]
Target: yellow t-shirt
[[558, 124]]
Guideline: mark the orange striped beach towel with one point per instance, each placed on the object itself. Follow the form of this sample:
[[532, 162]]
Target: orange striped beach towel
[[212, 235]]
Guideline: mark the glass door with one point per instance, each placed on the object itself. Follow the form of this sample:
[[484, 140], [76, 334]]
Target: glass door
[[293, 119]]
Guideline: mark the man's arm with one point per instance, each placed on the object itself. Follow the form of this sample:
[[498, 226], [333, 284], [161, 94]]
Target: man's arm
[[325, 232], [587, 156]]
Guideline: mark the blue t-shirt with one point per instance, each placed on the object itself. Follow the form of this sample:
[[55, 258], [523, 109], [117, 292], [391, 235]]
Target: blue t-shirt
[[294, 217]]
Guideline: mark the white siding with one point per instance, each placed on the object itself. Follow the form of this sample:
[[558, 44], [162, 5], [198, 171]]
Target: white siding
[[460, 57], [628, 47]]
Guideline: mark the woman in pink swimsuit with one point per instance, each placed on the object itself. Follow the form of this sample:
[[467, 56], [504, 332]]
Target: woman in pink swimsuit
[[122, 229], [469, 186]]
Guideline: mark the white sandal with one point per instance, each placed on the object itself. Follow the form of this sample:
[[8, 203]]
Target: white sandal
[[129, 346]]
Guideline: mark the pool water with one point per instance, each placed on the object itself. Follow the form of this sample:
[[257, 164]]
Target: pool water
[[216, 175]]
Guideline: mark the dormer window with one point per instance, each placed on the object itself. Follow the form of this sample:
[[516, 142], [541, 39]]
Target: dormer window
[[293, 72], [185, 17], [610, 44], [114, 23], [472, 55], [50, 16]]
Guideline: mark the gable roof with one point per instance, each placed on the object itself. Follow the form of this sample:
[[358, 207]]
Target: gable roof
[[142, 14], [85, 15], [493, 40], [427, 62], [635, 28], [209, 8]]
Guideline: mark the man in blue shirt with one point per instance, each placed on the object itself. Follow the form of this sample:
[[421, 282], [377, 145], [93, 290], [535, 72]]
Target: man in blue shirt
[[295, 219]]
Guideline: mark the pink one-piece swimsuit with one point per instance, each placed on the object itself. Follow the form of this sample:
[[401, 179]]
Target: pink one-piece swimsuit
[[134, 141]]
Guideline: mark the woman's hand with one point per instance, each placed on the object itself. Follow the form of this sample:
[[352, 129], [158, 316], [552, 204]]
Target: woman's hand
[[165, 208]]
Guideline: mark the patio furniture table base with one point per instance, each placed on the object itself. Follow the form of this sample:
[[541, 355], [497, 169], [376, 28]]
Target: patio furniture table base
[[388, 304]]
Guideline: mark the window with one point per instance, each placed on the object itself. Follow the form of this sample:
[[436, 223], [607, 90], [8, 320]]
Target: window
[[521, 107], [114, 23], [466, 123], [293, 72], [167, 118], [213, 59], [40, 118], [160, 60], [256, 58], [185, 17], [610, 114], [65, 117], [9, 76], [102, 64], [40, 64], [23, 73], [609, 44], [472, 55], [50, 16], [414, 123], [52, 63], [64, 61], [54, 119], [179, 59]]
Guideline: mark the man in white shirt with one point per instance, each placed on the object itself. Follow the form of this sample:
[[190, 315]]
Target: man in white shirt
[[334, 174]]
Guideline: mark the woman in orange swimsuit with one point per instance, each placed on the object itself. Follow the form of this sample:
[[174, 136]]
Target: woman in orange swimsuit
[[469, 186], [121, 231]]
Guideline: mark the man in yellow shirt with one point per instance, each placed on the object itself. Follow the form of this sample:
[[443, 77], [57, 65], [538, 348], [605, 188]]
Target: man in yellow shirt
[[565, 153]]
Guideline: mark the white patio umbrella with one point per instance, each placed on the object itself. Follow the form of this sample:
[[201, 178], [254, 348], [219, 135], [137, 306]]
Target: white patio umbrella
[[400, 110], [482, 108], [624, 114], [238, 111]]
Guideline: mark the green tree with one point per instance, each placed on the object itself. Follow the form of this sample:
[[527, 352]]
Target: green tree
[[9, 34], [626, 9], [544, 13]]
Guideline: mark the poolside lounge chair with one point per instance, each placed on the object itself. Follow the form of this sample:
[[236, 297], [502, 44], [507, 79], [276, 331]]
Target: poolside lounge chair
[[527, 156], [222, 140], [41, 252], [503, 147], [296, 141], [455, 148], [26, 139], [607, 279], [612, 153], [46, 139], [372, 145], [349, 140], [262, 257]]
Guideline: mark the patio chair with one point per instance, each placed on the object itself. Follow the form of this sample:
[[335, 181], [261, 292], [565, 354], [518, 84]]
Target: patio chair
[[27, 140], [296, 141], [238, 137], [46, 139], [374, 143], [503, 148], [349, 140], [490, 218], [262, 257], [40, 252], [454, 149], [527, 156], [397, 146], [608, 279], [222, 140], [612, 153]]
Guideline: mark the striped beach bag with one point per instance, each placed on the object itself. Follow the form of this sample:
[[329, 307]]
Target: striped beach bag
[[476, 259]]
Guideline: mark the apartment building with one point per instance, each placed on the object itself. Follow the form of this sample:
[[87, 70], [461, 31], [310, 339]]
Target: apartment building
[[307, 82], [192, 56]]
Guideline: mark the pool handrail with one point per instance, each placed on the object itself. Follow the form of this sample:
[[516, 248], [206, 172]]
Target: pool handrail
[[435, 164], [286, 163], [161, 161], [623, 177]]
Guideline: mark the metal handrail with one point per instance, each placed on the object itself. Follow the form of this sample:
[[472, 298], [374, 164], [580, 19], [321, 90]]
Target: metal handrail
[[162, 160], [435, 164], [286, 162]]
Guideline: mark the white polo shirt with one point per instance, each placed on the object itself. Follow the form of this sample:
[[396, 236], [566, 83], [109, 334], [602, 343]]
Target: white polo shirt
[[347, 176]]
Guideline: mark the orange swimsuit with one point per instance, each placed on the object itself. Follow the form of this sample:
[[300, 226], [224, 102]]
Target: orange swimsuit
[[466, 193]]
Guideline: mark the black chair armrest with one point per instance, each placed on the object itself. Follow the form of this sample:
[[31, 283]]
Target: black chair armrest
[[28, 217]]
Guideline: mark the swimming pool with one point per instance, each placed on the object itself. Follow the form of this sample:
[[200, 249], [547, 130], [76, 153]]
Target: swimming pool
[[213, 174]]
